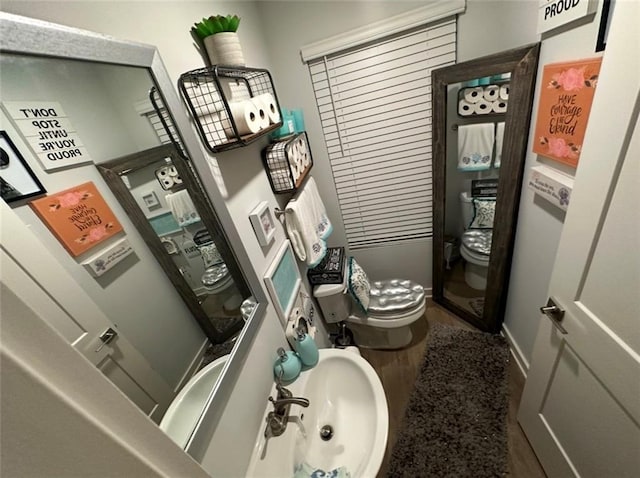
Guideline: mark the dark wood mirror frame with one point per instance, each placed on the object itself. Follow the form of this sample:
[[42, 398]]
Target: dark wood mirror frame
[[522, 63], [111, 171]]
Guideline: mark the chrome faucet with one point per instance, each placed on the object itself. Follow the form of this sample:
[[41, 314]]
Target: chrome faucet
[[278, 419]]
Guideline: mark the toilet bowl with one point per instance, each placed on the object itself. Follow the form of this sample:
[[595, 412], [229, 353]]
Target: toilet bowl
[[475, 247], [394, 305]]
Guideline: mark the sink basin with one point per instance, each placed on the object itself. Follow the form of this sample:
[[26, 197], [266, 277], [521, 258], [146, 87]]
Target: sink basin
[[186, 409], [347, 398]]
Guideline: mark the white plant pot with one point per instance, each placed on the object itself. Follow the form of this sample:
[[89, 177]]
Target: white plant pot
[[224, 49]]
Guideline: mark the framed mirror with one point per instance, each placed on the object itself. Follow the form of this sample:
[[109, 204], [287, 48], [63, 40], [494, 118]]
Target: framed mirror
[[482, 110], [103, 84], [160, 193]]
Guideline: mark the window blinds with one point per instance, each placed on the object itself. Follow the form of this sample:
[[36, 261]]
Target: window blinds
[[375, 108]]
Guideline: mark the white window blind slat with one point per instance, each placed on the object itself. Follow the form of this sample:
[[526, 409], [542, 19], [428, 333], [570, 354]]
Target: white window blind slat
[[386, 66], [381, 194], [357, 79], [442, 33], [382, 151], [375, 108]]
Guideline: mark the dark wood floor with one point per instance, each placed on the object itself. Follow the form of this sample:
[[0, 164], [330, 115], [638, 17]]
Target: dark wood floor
[[398, 370]]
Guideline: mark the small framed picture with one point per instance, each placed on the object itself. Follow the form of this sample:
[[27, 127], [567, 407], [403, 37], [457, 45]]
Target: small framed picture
[[17, 180], [283, 280], [263, 224], [151, 200]]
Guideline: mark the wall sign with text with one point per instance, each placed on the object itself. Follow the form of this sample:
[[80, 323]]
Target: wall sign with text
[[49, 132], [555, 13], [106, 259], [567, 91], [552, 185], [79, 217]]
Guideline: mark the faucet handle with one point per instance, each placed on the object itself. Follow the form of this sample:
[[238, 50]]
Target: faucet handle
[[283, 392]]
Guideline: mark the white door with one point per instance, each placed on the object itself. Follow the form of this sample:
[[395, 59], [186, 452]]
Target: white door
[[580, 407], [33, 274]]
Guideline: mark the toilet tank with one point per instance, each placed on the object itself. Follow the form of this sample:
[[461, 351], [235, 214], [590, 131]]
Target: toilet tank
[[334, 301], [466, 202]]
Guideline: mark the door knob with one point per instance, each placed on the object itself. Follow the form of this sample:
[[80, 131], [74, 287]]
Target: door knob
[[555, 313]]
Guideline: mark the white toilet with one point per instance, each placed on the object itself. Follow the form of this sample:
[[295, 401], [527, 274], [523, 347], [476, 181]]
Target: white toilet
[[394, 305], [475, 246], [217, 278]]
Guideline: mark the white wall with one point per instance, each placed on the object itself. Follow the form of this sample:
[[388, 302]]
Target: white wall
[[539, 223], [135, 295]]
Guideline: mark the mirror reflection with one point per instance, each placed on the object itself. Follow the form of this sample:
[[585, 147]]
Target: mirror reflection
[[160, 344], [476, 111], [480, 108], [159, 192]]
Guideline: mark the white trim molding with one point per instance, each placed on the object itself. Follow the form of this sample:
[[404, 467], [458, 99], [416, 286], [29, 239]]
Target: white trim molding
[[432, 12], [516, 351]]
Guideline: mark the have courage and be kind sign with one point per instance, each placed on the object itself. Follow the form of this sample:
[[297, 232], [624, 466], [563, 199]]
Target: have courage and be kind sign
[[566, 95], [49, 132]]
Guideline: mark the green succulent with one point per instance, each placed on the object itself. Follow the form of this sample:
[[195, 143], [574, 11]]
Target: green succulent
[[215, 24]]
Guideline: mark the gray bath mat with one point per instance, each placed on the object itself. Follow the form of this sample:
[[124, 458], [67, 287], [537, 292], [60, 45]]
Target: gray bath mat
[[455, 424], [477, 305]]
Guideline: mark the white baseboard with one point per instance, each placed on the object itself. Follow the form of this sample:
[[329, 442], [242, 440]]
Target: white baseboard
[[428, 292], [521, 361], [193, 366]]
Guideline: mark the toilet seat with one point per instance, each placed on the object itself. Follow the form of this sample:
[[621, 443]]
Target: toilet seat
[[216, 278], [393, 303], [476, 245]]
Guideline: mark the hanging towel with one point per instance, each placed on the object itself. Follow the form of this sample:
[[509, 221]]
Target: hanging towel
[[475, 145], [499, 137], [323, 225], [308, 225], [182, 208]]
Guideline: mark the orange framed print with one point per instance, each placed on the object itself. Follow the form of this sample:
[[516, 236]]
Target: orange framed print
[[567, 91], [79, 217]]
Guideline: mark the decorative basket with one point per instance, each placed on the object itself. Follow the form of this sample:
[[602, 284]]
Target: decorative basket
[[215, 98], [288, 163]]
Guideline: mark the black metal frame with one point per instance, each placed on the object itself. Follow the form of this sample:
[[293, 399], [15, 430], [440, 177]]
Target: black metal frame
[[275, 158], [211, 130]]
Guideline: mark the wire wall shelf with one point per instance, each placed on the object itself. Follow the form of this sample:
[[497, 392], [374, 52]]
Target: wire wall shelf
[[287, 163], [232, 106]]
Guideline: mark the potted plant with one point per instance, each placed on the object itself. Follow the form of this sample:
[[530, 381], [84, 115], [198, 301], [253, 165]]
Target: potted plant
[[220, 38]]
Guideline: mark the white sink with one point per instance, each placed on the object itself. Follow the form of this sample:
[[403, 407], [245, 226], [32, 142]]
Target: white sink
[[345, 393], [186, 409]]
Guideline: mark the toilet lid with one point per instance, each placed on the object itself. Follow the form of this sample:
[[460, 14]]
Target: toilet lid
[[478, 240], [215, 274], [394, 296]]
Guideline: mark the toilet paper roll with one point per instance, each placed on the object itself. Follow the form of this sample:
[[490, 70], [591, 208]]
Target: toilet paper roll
[[294, 160], [281, 179], [302, 146], [271, 107], [499, 106], [276, 158], [504, 92], [203, 108], [473, 95], [491, 92], [246, 116], [263, 115], [167, 182], [465, 108], [482, 107]]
